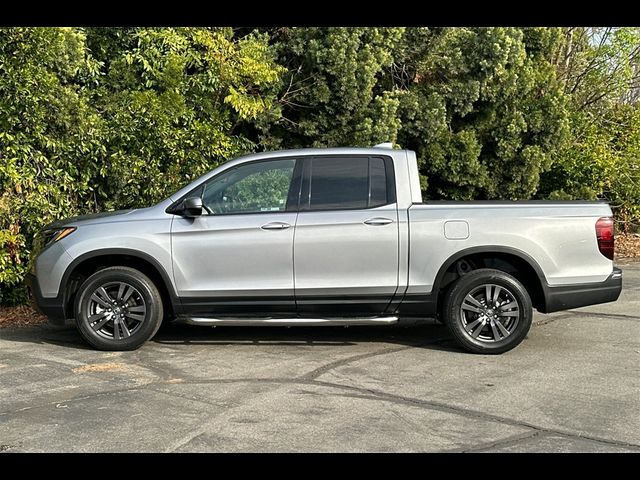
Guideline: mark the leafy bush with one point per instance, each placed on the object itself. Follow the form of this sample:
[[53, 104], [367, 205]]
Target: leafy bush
[[107, 118], [94, 119], [601, 162]]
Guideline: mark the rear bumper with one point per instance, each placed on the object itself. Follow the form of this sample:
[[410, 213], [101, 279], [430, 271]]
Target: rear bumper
[[53, 308], [581, 295]]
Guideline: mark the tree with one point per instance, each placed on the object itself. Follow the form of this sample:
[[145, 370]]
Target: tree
[[599, 68], [484, 110], [47, 131], [104, 118], [331, 95], [153, 109], [601, 162], [174, 102]]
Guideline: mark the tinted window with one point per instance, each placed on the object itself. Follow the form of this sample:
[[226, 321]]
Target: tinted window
[[339, 183], [252, 188], [378, 191], [356, 182]]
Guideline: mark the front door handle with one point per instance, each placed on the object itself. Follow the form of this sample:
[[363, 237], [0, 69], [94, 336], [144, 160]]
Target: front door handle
[[275, 226], [378, 221]]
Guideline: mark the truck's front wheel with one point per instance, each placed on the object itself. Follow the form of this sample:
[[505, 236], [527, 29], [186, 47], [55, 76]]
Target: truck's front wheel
[[488, 311], [118, 308]]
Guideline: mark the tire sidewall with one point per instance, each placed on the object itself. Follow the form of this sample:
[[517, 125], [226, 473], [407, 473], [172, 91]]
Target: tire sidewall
[[466, 284], [148, 291]]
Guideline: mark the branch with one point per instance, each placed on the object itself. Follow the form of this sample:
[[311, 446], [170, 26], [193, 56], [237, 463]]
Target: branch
[[593, 61]]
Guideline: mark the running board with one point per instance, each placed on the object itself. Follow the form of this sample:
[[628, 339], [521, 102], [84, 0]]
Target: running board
[[290, 322]]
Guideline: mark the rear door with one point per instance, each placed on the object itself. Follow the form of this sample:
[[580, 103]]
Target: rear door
[[346, 236]]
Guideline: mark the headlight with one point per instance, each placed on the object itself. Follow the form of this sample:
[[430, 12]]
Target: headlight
[[53, 235]]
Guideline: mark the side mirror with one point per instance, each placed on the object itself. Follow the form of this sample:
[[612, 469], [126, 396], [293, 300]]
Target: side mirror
[[192, 207]]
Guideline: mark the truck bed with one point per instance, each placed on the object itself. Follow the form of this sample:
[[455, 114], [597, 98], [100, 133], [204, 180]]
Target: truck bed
[[558, 236]]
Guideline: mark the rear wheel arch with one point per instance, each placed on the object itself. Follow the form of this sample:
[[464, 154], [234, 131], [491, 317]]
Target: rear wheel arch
[[89, 263], [507, 259]]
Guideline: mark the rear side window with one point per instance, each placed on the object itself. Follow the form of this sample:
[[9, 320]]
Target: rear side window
[[347, 183], [378, 190]]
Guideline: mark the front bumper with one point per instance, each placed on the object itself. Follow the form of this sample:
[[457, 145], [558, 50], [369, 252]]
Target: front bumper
[[53, 308], [581, 295]]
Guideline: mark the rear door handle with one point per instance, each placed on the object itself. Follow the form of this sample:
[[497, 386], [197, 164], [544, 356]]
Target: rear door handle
[[275, 226], [378, 221]]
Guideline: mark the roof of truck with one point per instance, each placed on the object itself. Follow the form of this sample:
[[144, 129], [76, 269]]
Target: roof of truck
[[377, 150]]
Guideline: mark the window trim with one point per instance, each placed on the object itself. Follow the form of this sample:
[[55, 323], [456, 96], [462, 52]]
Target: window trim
[[290, 206], [305, 190]]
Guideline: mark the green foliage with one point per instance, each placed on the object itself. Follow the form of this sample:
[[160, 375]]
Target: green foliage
[[47, 130], [482, 107], [150, 111], [104, 118], [599, 66], [484, 111], [601, 162], [331, 95], [172, 100], [600, 69], [266, 190]]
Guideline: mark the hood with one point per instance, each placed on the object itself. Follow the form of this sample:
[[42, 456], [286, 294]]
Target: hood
[[86, 219]]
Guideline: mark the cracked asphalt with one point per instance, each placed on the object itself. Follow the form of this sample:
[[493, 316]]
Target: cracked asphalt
[[572, 386]]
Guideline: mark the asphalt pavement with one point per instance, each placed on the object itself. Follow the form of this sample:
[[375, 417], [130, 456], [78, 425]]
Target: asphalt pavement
[[572, 386]]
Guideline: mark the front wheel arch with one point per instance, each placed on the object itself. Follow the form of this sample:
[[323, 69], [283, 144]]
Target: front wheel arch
[[89, 263]]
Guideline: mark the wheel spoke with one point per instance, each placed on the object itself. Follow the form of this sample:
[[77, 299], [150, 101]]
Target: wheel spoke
[[104, 295], [473, 324], [121, 288], [487, 294], [477, 331], [128, 293], [116, 330], [502, 328], [137, 308], [494, 329], [514, 313], [133, 316], [508, 306], [100, 301], [101, 323], [465, 306], [124, 329], [469, 298], [97, 316], [496, 294]]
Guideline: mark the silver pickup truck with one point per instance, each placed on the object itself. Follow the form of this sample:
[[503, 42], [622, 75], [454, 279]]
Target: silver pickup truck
[[336, 236]]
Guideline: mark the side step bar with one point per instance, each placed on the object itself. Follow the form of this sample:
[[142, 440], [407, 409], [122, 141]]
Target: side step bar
[[290, 322]]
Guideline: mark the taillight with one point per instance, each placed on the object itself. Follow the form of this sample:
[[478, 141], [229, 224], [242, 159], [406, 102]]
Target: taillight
[[606, 239]]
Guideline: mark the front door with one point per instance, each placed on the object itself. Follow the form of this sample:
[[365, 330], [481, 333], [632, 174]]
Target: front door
[[346, 239], [237, 258]]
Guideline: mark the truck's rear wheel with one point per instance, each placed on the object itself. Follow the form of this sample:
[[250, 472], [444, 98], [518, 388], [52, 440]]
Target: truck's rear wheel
[[118, 308], [488, 311]]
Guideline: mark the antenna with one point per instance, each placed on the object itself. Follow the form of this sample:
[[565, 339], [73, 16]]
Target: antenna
[[384, 145]]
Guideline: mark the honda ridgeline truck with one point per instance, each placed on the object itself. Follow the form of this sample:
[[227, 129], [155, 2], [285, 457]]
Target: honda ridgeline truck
[[337, 236]]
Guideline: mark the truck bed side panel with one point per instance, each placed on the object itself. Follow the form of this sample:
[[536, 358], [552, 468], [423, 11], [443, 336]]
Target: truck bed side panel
[[559, 236]]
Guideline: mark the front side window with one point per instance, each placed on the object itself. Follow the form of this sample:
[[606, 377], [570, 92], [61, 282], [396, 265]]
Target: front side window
[[256, 187]]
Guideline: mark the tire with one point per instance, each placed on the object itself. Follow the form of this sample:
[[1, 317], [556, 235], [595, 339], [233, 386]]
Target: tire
[[474, 324], [118, 308]]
